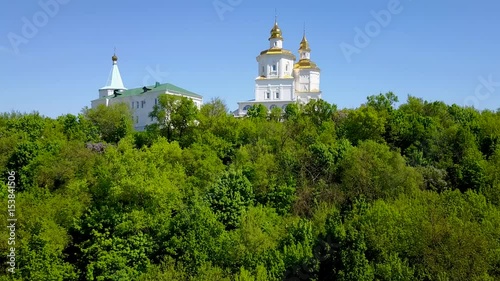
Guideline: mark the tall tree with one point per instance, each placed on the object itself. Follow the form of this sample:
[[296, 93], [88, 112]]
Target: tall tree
[[113, 122], [173, 115]]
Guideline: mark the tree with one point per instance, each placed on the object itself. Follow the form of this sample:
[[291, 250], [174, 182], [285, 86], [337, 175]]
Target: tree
[[215, 108], [382, 102], [230, 197], [276, 114], [291, 111], [373, 171], [364, 123], [113, 122], [78, 128], [319, 111], [258, 111], [174, 115]]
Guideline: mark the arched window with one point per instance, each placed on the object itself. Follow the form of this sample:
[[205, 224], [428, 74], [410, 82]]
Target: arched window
[[247, 107], [272, 106], [284, 106]]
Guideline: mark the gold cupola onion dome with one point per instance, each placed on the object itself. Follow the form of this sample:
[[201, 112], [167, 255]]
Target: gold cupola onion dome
[[276, 32], [114, 58], [304, 45]]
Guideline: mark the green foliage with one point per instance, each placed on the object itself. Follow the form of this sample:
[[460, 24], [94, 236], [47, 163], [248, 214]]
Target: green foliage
[[383, 102], [377, 192], [276, 114], [291, 111], [364, 123], [373, 171], [79, 127], [111, 122], [230, 197], [32, 125], [257, 111], [319, 111], [174, 116], [194, 238]]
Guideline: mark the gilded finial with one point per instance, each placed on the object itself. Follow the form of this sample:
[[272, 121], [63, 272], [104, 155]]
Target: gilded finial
[[114, 57]]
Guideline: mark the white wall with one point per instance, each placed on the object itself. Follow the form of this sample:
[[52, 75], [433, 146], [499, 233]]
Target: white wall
[[284, 66], [284, 87], [315, 76]]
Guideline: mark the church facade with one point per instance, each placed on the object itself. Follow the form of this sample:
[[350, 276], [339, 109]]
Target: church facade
[[281, 78], [140, 100]]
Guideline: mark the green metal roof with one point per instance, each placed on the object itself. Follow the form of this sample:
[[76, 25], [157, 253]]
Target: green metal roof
[[167, 87]]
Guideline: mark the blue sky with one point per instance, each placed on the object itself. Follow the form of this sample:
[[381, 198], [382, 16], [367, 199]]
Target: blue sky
[[436, 50]]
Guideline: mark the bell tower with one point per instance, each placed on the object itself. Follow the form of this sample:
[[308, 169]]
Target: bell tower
[[276, 38], [307, 74], [114, 81]]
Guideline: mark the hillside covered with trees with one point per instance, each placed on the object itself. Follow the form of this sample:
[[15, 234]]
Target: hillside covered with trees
[[312, 193]]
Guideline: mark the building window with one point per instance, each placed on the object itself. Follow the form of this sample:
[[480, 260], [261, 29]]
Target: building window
[[284, 106], [136, 119], [274, 67], [263, 70], [246, 108], [286, 67], [277, 95], [268, 95], [151, 118], [132, 105], [137, 104], [156, 101], [272, 106]]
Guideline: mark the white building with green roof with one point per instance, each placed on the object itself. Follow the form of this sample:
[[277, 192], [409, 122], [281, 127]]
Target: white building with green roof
[[140, 100]]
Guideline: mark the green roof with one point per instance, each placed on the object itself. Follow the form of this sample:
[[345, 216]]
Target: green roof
[[167, 87]]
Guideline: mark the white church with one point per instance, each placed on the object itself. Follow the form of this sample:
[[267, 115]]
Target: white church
[[281, 79], [141, 100]]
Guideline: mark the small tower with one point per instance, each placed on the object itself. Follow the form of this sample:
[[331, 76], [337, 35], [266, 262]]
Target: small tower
[[304, 50], [114, 81], [307, 74]]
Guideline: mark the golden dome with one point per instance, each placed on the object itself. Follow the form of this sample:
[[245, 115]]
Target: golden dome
[[304, 45], [114, 57], [276, 32]]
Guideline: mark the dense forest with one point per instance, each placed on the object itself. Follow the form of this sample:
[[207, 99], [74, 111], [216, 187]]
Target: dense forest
[[386, 191]]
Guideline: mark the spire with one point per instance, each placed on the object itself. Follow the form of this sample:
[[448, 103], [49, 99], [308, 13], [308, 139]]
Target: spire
[[115, 79], [304, 44]]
